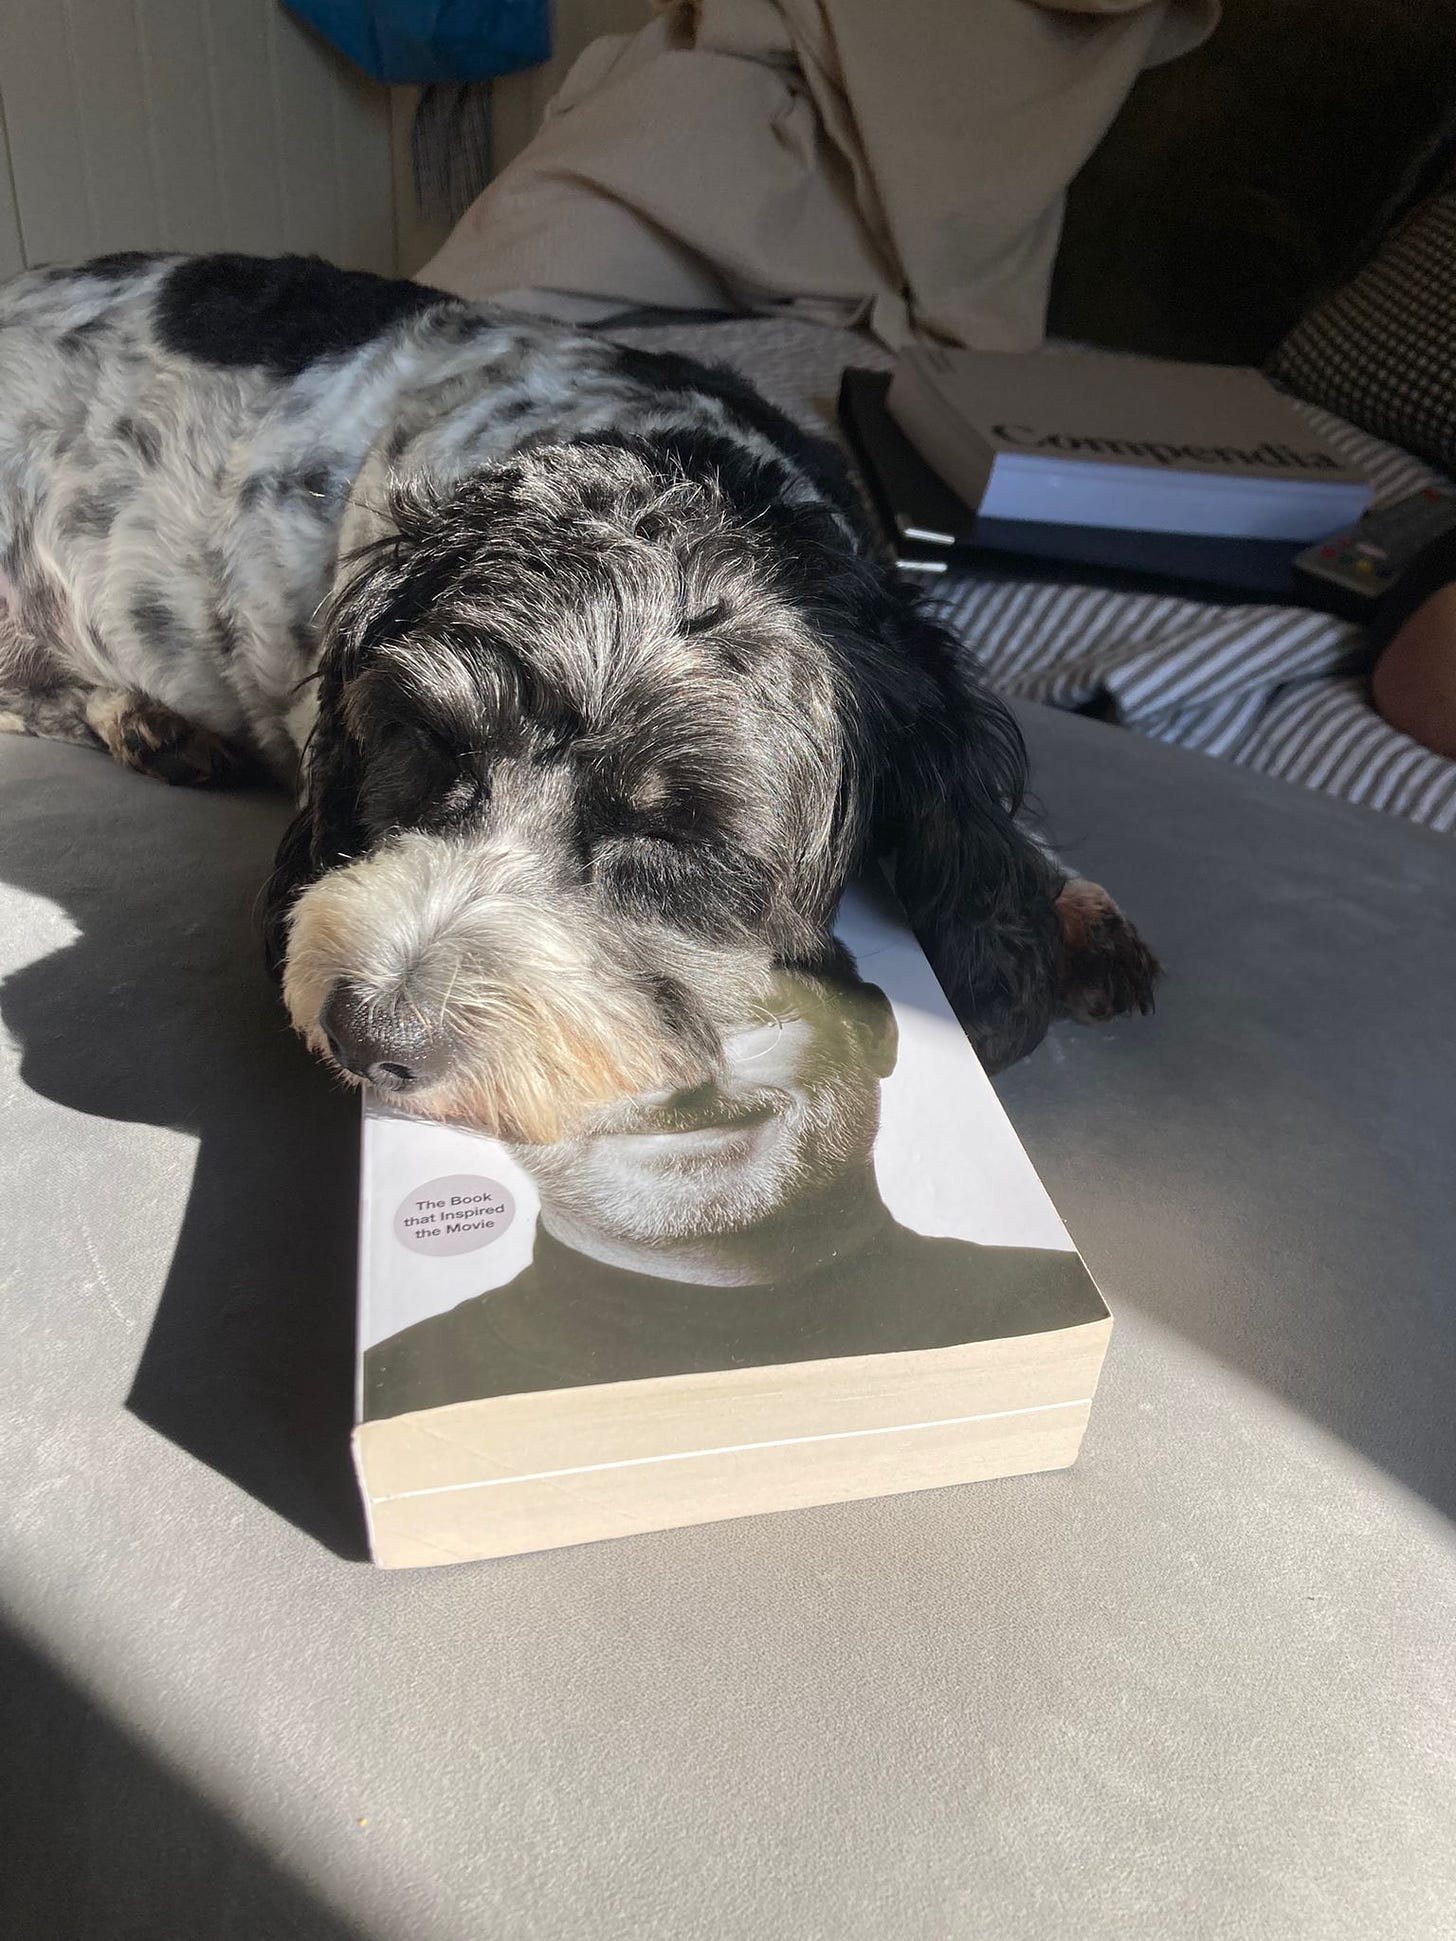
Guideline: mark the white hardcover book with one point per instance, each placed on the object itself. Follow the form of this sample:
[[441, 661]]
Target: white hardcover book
[[1087, 439], [830, 1273]]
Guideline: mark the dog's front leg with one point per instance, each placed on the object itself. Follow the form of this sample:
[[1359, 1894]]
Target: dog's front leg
[[1104, 968], [153, 739]]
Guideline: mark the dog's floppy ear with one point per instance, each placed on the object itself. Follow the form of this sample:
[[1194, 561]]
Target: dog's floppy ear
[[979, 891], [292, 870], [322, 833], [940, 774], [326, 829]]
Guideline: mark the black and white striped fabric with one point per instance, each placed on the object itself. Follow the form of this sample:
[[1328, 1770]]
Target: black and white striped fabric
[[1274, 688], [1267, 687]]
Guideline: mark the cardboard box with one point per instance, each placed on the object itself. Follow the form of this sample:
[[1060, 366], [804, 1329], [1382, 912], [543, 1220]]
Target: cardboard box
[[831, 1274]]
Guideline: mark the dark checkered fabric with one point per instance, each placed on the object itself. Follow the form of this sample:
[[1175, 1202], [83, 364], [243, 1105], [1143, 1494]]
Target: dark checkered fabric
[[1381, 352]]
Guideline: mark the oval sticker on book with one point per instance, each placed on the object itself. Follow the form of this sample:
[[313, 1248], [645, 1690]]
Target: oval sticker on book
[[454, 1215]]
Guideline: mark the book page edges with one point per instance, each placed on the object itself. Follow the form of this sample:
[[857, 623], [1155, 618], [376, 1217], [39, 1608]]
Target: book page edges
[[511, 1474]]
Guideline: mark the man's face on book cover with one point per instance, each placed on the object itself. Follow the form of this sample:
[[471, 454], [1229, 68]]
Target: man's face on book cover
[[795, 1108]]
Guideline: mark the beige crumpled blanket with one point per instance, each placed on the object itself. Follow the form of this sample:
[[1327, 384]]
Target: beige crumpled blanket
[[895, 162]]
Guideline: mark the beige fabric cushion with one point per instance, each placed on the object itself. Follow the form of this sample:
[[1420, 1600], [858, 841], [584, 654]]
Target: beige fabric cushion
[[843, 159]]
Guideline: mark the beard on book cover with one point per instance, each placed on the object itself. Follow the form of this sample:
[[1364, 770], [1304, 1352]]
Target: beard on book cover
[[761, 1165], [738, 1224]]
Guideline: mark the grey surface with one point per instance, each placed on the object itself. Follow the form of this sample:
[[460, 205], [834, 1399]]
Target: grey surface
[[1202, 1685]]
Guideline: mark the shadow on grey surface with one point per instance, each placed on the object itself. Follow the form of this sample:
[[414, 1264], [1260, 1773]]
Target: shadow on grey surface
[[170, 1863], [160, 1013]]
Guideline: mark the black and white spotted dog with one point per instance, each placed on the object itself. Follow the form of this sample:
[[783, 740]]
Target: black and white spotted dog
[[591, 687]]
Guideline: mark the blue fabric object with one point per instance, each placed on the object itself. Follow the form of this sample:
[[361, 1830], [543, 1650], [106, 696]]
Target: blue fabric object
[[433, 40]]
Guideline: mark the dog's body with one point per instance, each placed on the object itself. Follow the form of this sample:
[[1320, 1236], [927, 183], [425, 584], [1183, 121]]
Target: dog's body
[[188, 447], [596, 688]]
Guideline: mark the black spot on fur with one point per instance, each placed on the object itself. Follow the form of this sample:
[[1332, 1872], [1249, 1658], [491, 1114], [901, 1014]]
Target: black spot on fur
[[82, 337], [820, 461], [512, 410], [90, 515], [459, 326], [144, 439], [318, 487], [224, 632], [69, 435], [121, 263], [278, 314], [15, 558], [158, 625], [738, 656]]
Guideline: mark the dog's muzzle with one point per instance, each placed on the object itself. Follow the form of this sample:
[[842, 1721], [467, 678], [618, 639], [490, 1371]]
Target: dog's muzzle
[[464, 979]]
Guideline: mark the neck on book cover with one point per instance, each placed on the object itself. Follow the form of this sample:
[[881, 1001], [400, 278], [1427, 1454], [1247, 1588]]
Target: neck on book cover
[[839, 1220]]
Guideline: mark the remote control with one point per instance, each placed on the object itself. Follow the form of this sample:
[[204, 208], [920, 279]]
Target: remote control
[[1367, 559]]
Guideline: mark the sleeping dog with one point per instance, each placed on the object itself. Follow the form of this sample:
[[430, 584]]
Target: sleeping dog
[[591, 686]]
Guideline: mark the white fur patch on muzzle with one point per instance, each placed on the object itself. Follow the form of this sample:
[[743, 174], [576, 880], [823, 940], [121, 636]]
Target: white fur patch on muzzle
[[545, 1006]]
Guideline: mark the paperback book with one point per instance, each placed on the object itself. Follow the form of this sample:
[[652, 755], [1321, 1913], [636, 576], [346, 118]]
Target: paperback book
[[1088, 439], [830, 1273]]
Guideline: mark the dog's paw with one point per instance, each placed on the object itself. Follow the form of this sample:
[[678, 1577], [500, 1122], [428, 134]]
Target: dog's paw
[[1105, 967], [144, 735]]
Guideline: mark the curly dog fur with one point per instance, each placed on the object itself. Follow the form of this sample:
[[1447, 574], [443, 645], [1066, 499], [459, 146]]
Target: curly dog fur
[[588, 679]]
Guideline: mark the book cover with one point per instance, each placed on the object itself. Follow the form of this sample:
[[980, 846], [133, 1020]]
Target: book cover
[[829, 1273], [929, 529], [1092, 439]]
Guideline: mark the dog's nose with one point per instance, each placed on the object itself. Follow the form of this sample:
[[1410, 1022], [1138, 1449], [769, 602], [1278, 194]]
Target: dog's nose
[[389, 1044]]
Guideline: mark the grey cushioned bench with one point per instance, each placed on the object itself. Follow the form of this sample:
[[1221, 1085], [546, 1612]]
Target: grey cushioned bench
[[1202, 1685]]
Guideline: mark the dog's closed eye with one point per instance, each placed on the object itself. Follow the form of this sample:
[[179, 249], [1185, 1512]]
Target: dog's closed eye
[[700, 623], [411, 777]]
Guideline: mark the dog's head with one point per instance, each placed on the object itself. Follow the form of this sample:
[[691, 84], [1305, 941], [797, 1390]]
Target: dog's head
[[595, 750]]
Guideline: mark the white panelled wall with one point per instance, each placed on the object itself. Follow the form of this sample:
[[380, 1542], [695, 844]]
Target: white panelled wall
[[225, 124], [12, 251], [189, 124]]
